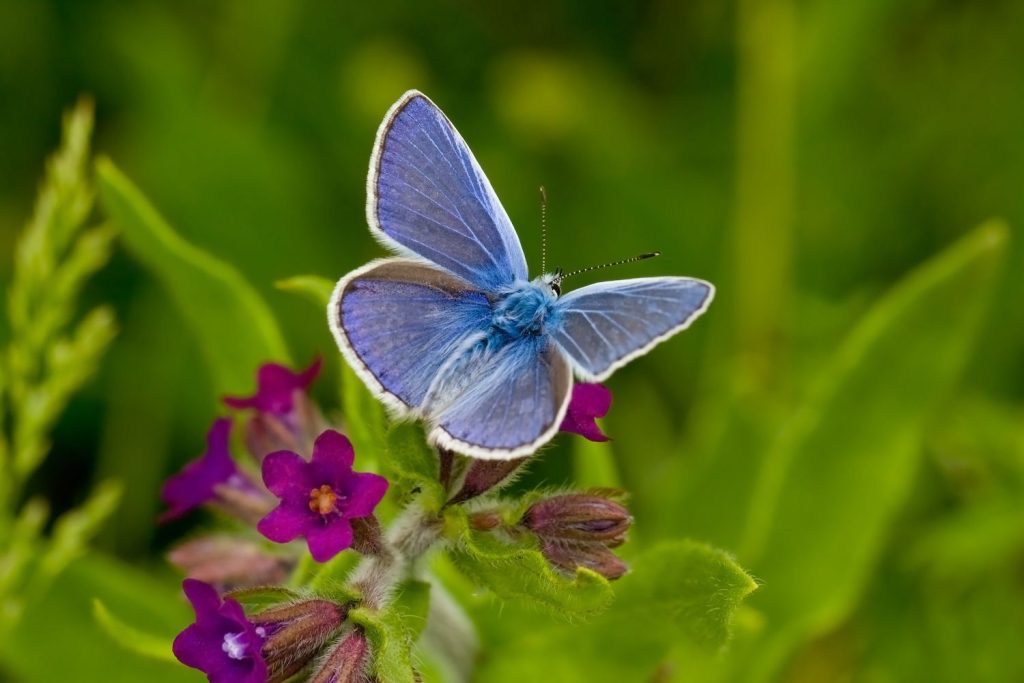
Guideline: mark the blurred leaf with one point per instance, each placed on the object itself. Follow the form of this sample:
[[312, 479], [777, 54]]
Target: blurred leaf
[[594, 464], [691, 585], [58, 639], [391, 639], [234, 326], [852, 448], [74, 529], [317, 289], [518, 573], [130, 638]]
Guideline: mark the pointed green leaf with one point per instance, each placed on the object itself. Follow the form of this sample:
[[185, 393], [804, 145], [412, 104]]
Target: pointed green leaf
[[131, 638], [234, 326], [852, 448], [391, 640], [691, 585]]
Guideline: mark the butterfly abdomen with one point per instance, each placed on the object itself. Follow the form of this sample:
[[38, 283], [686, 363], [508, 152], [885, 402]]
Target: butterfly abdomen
[[524, 311]]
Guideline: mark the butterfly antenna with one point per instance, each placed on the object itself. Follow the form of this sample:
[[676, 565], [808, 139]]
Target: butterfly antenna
[[543, 230], [631, 259]]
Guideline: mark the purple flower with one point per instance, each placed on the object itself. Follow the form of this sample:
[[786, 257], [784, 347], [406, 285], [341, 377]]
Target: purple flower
[[276, 387], [588, 402], [197, 482], [221, 643], [318, 498]]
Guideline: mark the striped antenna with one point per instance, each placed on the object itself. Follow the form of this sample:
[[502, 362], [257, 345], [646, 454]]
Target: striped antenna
[[543, 230], [631, 259]]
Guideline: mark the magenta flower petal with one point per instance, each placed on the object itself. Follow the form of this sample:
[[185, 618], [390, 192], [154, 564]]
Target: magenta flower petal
[[327, 540], [588, 402], [197, 481], [221, 643], [284, 474], [333, 452], [284, 523], [318, 498], [276, 387], [366, 490]]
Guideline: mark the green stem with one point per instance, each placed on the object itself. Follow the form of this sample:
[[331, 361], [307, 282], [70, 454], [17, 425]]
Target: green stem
[[765, 188]]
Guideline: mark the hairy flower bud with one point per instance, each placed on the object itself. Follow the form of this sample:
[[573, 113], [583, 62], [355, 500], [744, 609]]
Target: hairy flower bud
[[581, 518], [295, 633], [347, 662], [577, 530], [592, 556]]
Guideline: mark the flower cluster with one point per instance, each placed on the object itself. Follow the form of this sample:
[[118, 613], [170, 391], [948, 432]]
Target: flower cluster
[[282, 496]]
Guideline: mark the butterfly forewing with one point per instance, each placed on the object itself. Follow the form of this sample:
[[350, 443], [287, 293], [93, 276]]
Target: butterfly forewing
[[427, 195], [602, 327]]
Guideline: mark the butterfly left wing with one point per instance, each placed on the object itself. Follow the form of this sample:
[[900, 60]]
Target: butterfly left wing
[[500, 402], [602, 327], [398, 321], [428, 196]]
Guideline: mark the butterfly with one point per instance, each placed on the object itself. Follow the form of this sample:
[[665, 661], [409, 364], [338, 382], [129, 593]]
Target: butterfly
[[452, 330]]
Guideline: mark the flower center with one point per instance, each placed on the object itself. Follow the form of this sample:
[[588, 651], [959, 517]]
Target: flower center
[[324, 500], [233, 645]]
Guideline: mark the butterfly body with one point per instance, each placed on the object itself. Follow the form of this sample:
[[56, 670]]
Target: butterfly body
[[526, 310], [452, 330]]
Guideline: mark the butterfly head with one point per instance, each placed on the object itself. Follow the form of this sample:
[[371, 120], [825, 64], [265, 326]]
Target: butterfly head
[[553, 281]]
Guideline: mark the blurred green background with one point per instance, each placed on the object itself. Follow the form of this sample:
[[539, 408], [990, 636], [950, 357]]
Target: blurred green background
[[803, 156]]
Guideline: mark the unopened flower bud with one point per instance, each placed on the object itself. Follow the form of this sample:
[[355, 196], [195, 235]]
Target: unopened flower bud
[[580, 518], [593, 556], [294, 634], [227, 562], [348, 662], [485, 475]]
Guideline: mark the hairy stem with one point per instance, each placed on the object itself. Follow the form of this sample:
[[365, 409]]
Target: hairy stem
[[408, 539]]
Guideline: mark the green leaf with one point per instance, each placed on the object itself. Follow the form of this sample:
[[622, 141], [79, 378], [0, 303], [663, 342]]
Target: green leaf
[[255, 598], [131, 638], [391, 638], [594, 464], [234, 326], [315, 288], [412, 603], [58, 638], [852, 448], [74, 529], [411, 461], [519, 573], [691, 585], [365, 421]]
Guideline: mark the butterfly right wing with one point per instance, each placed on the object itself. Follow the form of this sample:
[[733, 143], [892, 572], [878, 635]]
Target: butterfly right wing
[[397, 321], [602, 327], [427, 196]]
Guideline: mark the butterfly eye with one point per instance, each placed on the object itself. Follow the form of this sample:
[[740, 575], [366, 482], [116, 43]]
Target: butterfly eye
[[556, 288]]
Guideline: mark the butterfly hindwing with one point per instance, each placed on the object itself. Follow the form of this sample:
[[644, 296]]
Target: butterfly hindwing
[[397, 321], [500, 402], [602, 327], [427, 195]]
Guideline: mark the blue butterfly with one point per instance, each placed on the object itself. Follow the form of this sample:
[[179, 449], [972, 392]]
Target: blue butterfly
[[453, 331]]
